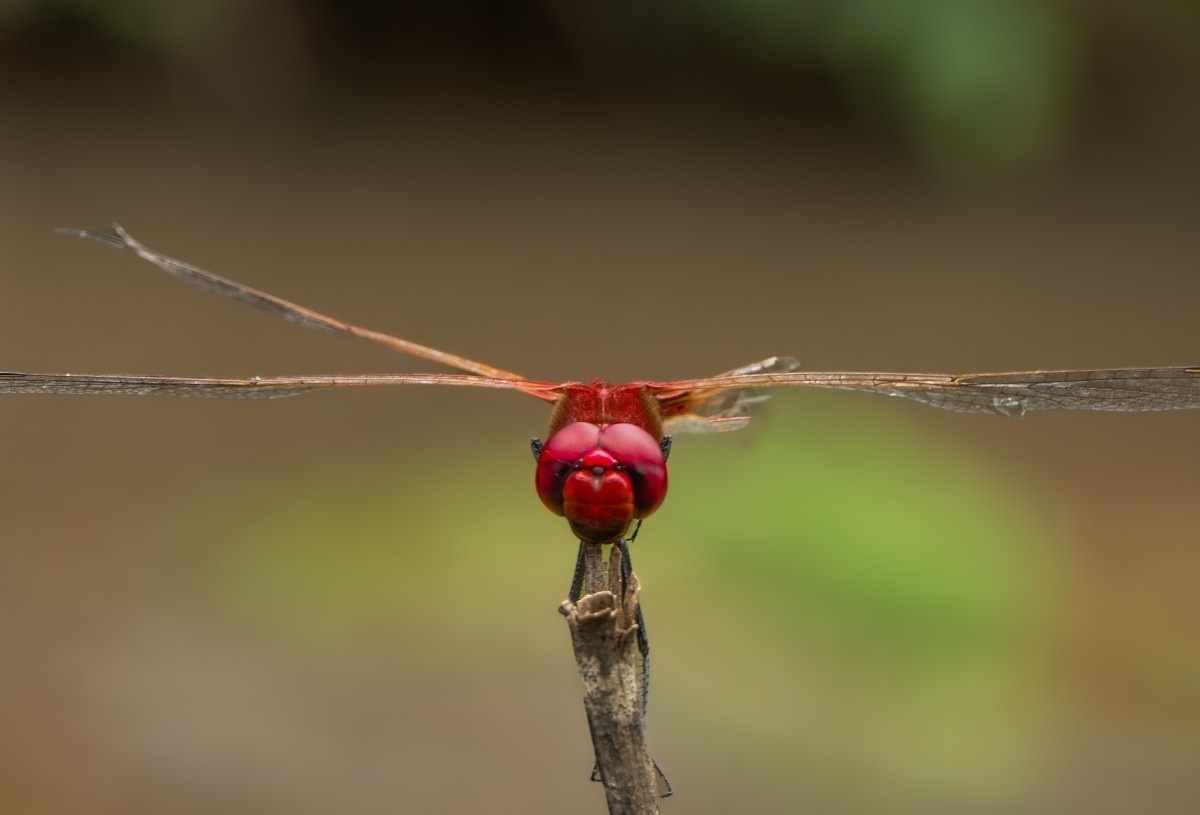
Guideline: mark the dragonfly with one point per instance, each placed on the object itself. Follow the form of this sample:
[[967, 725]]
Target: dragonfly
[[603, 464]]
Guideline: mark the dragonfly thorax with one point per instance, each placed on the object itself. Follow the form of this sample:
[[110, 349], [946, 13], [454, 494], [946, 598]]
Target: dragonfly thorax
[[601, 477]]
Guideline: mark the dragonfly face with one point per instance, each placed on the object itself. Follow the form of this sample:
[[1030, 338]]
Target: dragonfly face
[[601, 477]]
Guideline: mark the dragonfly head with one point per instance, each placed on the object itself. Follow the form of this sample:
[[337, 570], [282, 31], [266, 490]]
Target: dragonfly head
[[601, 477]]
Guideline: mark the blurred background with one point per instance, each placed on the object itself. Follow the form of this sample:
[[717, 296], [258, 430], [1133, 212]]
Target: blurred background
[[347, 601]]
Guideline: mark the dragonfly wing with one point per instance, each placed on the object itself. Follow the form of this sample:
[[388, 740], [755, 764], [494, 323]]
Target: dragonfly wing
[[252, 388], [1007, 394], [718, 410], [282, 308], [1015, 394]]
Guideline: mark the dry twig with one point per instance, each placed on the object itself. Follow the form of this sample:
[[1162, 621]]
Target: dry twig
[[603, 633]]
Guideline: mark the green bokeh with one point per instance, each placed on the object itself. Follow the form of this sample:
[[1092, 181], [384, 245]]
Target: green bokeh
[[897, 535], [978, 85]]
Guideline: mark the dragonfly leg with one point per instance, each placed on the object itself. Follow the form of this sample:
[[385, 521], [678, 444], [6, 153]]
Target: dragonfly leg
[[535, 444], [643, 641], [633, 537], [668, 790], [577, 581], [665, 446]]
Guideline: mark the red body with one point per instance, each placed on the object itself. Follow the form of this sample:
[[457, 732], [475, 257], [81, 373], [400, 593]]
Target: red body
[[603, 465]]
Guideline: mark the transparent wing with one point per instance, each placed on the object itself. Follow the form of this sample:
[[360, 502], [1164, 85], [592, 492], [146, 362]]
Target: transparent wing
[[282, 308], [253, 388], [716, 410], [1008, 394]]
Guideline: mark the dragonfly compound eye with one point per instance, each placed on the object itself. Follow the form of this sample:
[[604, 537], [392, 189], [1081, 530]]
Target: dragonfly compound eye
[[641, 456], [560, 456], [601, 478]]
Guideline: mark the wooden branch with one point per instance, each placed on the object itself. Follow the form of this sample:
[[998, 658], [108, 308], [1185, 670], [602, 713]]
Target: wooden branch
[[603, 636]]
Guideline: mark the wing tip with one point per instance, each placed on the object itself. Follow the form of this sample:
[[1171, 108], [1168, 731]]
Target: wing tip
[[118, 238]]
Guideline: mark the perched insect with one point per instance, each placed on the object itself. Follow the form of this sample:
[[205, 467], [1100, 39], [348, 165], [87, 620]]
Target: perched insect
[[604, 462], [603, 465]]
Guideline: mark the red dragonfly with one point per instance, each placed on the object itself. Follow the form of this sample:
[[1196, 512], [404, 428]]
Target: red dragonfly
[[604, 462], [603, 465]]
